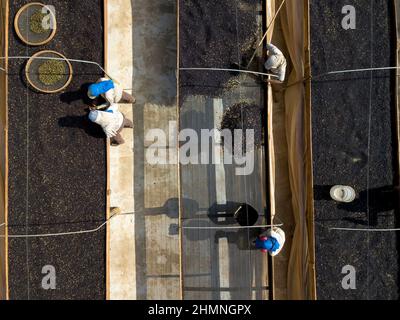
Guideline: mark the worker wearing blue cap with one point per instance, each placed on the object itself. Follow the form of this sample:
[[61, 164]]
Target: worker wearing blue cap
[[272, 242], [110, 91]]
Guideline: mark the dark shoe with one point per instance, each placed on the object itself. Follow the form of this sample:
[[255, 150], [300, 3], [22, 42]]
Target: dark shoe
[[115, 144]]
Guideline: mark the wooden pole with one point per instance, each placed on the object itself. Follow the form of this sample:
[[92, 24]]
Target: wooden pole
[[265, 34]]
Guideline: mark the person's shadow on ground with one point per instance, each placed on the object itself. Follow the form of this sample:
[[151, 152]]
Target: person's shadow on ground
[[229, 211], [372, 202], [82, 122], [81, 95], [192, 214]]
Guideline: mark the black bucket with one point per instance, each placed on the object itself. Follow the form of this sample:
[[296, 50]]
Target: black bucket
[[246, 215]]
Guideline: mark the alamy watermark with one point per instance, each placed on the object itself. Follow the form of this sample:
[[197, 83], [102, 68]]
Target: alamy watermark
[[349, 20], [209, 146], [49, 279], [47, 22], [349, 280]]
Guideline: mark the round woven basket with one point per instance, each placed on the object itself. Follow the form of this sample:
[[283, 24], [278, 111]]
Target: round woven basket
[[22, 25], [33, 75]]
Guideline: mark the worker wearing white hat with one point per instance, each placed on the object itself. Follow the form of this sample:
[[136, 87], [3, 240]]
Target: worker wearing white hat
[[276, 62], [112, 121]]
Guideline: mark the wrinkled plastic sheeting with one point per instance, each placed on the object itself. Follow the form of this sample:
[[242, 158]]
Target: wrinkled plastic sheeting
[[294, 33]]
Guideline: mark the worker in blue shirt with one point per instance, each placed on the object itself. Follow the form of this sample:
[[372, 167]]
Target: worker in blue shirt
[[272, 242], [110, 91]]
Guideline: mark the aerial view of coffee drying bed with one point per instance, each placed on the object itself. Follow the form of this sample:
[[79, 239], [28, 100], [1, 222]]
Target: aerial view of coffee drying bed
[[354, 144], [226, 35], [57, 160]]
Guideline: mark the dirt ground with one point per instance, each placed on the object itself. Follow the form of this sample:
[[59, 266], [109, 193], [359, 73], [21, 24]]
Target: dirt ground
[[57, 165], [243, 116], [354, 144], [215, 34]]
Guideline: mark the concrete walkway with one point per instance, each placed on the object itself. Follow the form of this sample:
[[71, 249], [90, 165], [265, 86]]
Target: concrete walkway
[[122, 228], [144, 248]]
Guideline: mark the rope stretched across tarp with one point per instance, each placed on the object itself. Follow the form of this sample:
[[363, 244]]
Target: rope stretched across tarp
[[365, 229], [229, 70], [353, 71], [297, 82], [59, 59], [235, 227], [102, 225], [44, 235], [208, 69]]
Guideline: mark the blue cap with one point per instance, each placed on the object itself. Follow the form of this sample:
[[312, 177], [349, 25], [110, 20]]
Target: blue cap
[[97, 89], [270, 244]]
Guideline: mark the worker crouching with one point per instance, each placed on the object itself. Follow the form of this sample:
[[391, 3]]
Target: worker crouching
[[276, 62], [112, 121], [272, 241], [110, 91]]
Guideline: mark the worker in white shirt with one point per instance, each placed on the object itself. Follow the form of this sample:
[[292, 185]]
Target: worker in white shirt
[[110, 91], [276, 62], [112, 121]]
